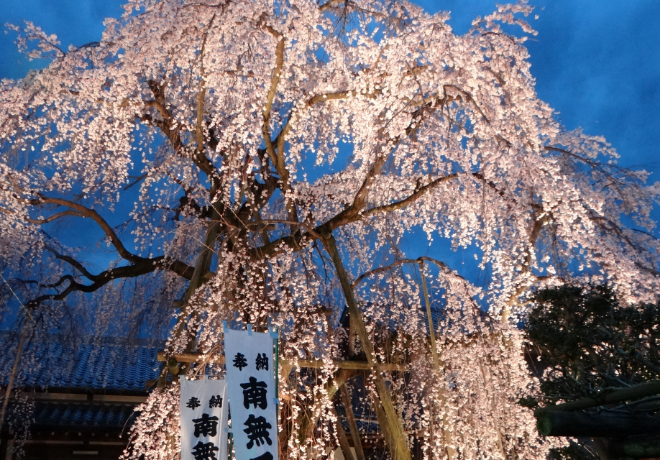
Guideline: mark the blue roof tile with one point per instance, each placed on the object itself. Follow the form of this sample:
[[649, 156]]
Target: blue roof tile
[[82, 416], [99, 364]]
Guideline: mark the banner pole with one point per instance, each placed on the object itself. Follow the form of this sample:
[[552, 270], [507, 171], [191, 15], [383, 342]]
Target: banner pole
[[275, 334], [231, 446]]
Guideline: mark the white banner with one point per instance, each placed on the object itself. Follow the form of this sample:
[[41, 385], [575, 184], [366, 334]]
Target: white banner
[[203, 419], [251, 391]]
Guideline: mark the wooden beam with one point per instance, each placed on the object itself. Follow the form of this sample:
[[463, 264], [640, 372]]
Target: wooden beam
[[343, 441], [351, 365], [609, 397], [193, 357], [604, 424]]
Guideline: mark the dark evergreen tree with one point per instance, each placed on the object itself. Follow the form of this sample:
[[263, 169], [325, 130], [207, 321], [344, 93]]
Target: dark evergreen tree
[[590, 341]]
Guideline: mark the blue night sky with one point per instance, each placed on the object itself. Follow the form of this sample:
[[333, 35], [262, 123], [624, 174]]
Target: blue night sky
[[597, 62]]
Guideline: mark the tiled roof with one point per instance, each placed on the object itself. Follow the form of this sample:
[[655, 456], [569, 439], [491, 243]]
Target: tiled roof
[[82, 416], [101, 364]]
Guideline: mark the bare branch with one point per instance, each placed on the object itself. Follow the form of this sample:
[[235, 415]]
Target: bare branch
[[54, 217], [96, 217]]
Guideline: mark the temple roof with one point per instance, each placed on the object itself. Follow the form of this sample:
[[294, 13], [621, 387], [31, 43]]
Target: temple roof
[[115, 365]]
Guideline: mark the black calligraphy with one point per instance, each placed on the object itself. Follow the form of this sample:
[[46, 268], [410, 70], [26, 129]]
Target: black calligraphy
[[261, 361], [254, 392], [193, 403], [240, 361], [257, 431], [205, 451], [206, 426], [215, 401]]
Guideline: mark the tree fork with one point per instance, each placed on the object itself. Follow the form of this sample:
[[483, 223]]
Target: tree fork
[[389, 420]]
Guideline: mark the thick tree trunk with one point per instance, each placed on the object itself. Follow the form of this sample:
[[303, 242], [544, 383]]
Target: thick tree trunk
[[606, 424]]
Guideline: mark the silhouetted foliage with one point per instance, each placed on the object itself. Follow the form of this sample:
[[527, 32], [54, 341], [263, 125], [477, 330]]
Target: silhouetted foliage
[[591, 342], [573, 451]]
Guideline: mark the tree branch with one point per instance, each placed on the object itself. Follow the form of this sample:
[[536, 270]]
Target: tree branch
[[141, 267], [54, 217], [96, 217]]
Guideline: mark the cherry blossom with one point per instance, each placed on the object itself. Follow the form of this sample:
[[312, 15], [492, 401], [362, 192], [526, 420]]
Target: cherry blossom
[[274, 157]]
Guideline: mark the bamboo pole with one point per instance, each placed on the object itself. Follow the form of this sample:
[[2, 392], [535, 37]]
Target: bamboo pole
[[451, 452]]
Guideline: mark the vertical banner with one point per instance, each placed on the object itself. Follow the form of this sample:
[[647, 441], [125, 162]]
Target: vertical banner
[[203, 419], [251, 391]]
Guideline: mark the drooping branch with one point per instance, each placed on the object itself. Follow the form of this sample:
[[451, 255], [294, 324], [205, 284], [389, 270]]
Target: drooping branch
[[296, 112], [355, 211], [421, 191], [54, 217], [71, 261], [419, 261]]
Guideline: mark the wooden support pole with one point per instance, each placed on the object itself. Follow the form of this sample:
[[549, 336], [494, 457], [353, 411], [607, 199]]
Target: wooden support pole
[[397, 444], [12, 375], [451, 452], [343, 441], [352, 424]]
